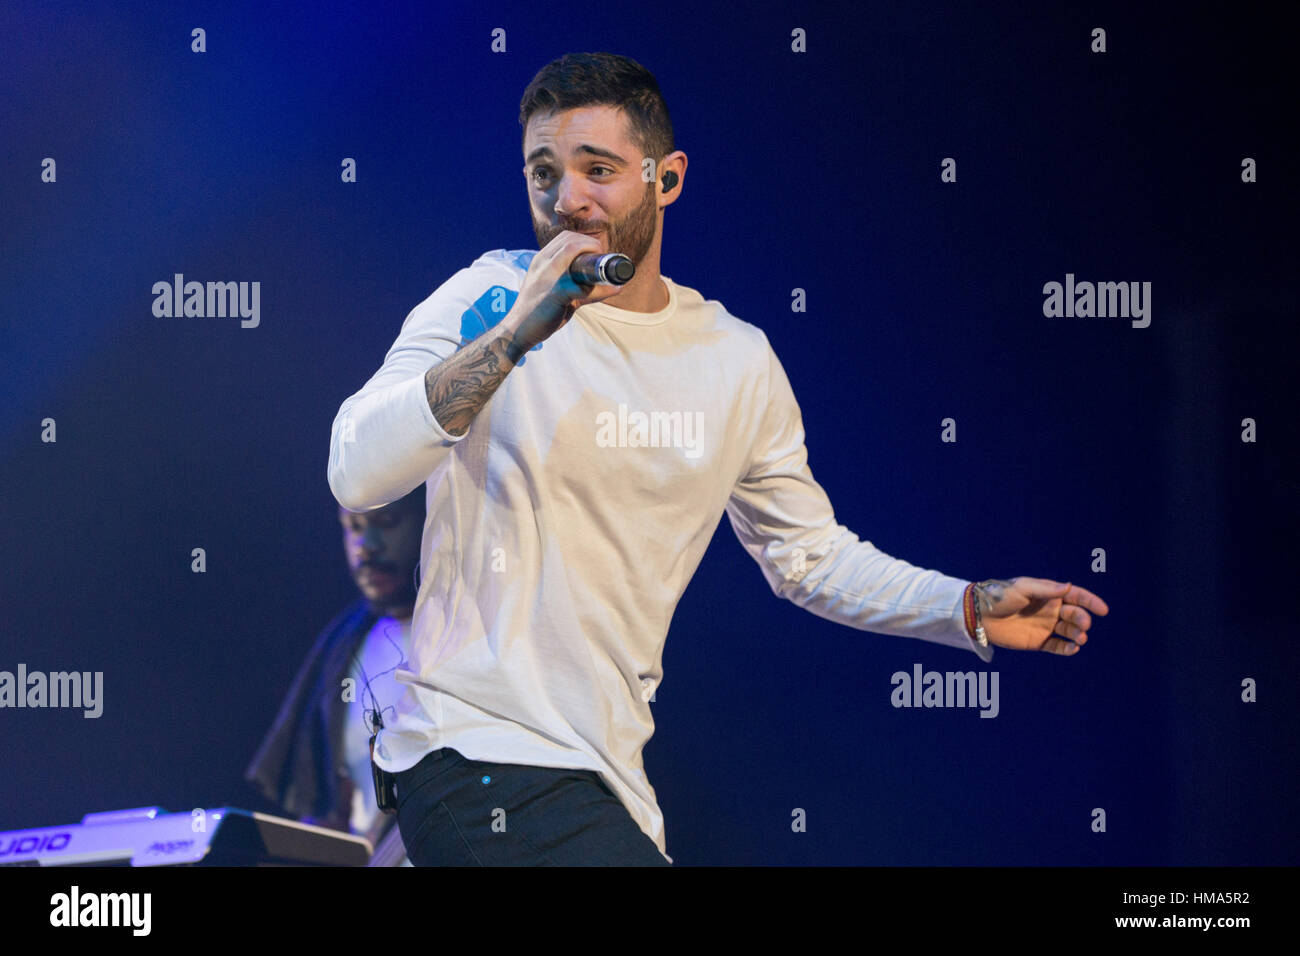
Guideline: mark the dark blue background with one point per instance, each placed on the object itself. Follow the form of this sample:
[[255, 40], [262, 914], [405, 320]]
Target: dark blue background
[[818, 171]]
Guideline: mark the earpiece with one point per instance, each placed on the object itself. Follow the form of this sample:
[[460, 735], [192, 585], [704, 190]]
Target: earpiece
[[670, 180]]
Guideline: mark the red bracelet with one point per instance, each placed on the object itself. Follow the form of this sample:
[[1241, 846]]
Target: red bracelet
[[974, 625], [968, 605]]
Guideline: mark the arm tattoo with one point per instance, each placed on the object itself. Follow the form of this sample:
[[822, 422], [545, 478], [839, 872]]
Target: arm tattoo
[[458, 388], [989, 593]]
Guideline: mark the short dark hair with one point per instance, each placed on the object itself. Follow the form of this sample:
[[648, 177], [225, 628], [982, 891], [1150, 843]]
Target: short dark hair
[[603, 79]]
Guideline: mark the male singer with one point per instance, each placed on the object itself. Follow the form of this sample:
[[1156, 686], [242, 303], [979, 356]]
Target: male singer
[[580, 444]]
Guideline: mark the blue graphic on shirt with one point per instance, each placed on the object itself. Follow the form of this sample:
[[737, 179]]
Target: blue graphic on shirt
[[490, 308], [524, 258]]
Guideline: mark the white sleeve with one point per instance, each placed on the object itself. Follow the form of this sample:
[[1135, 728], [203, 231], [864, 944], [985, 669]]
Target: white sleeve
[[385, 440], [784, 519]]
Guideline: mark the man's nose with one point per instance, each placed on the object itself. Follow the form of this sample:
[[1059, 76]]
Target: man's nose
[[570, 197], [372, 542]]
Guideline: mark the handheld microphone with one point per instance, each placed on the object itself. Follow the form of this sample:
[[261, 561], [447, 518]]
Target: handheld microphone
[[610, 268]]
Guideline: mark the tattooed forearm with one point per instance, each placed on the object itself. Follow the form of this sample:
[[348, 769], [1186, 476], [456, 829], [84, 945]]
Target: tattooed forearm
[[458, 388], [989, 593]]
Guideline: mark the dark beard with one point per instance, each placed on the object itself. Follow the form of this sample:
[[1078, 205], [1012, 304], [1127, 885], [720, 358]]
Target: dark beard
[[633, 235]]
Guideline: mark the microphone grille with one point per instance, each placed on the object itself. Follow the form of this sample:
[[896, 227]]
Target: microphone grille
[[620, 269]]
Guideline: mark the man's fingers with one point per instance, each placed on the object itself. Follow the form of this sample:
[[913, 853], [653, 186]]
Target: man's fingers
[[1055, 645], [1072, 631], [1076, 616], [1046, 588], [1085, 598]]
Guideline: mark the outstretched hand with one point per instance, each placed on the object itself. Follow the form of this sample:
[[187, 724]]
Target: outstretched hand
[[1035, 614]]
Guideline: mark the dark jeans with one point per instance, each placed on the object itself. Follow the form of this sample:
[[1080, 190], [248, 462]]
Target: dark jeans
[[453, 811]]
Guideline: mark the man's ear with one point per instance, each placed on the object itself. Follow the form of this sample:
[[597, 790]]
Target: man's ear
[[672, 172]]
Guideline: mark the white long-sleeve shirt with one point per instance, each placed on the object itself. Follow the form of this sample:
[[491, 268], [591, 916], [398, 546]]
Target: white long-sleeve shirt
[[564, 526]]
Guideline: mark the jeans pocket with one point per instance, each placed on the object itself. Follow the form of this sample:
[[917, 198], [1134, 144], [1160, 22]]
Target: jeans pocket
[[438, 840]]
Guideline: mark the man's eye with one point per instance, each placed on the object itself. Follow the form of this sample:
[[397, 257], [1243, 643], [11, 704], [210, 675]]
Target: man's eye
[[543, 171]]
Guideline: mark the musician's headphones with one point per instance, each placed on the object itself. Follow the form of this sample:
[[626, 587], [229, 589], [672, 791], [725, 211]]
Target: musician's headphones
[[670, 180]]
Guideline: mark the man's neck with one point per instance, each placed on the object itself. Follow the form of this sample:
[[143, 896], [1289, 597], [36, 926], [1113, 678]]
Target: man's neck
[[645, 293]]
